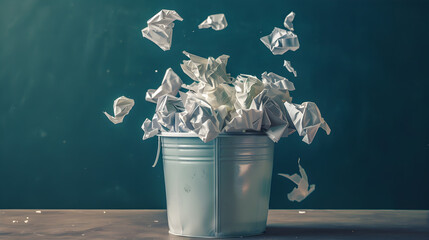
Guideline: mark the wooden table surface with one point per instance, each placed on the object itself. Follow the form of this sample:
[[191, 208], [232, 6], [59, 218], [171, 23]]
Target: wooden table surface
[[152, 224]]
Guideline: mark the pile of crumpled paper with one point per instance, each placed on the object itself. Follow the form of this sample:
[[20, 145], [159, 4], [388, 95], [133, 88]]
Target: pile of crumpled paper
[[218, 103]]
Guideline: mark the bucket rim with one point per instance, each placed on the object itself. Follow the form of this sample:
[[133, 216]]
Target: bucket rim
[[191, 134]]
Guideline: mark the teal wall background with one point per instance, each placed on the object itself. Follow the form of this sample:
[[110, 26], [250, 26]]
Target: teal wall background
[[62, 63]]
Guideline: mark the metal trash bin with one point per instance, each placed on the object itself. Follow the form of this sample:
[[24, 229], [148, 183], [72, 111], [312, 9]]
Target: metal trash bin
[[220, 188]]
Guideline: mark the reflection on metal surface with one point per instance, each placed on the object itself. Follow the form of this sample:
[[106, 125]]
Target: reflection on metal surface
[[243, 169]]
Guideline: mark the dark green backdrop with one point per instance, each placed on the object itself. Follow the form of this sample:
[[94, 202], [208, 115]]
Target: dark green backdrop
[[62, 63]]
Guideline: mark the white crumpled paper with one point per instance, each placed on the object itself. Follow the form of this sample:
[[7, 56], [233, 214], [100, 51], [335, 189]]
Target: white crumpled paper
[[160, 28], [167, 108], [200, 118], [212, 82], [249, 119], [278, 86], [306, 119], [171, 83], [274, 120], [217, 103], [277, 81], [215, 21], [166, 117], [208, 71], [289, 67], [303, 189], [281, 41], [288, 21], [121, 107], [150, 128], [247, 87]]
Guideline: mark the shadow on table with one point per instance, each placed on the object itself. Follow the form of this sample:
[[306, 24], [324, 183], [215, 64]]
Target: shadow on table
[[279, 232]]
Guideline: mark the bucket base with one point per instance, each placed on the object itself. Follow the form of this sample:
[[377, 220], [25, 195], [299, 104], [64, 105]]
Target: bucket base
[[221, 236]]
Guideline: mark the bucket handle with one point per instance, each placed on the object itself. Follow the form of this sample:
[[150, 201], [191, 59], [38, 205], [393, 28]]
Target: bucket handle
[[157, 152]]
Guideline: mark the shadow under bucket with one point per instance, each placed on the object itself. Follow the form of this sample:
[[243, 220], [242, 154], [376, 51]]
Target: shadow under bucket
[[220, 188]]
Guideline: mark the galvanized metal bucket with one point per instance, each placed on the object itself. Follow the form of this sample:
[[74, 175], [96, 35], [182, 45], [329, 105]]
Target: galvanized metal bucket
[[220, 188]]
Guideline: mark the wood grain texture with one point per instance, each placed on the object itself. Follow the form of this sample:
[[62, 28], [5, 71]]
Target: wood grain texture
[[152, 224]]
